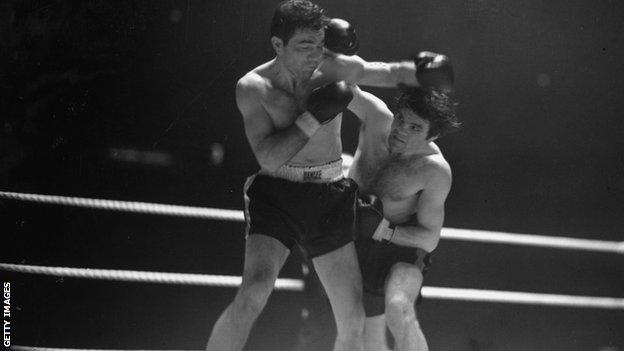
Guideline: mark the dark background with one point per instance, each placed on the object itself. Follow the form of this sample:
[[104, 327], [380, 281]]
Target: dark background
[[133, 100]]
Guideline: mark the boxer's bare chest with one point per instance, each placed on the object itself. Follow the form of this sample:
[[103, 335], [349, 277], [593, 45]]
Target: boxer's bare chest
[[398, 183], [284, 105], [394, 178]]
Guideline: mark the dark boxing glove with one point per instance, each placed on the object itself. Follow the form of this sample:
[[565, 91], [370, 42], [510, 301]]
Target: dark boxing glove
[[340, 37], [434, 71], [369, 214], [324, 104]]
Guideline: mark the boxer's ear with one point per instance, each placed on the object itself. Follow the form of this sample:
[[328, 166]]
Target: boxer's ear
[[278, 45]]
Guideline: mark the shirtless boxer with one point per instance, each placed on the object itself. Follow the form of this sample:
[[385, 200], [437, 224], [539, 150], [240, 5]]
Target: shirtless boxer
[[291, 108], [403, 178], [410, 177]]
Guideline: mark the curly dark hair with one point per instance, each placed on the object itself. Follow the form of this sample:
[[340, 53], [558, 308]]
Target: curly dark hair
[[291, 15], [432, 105]]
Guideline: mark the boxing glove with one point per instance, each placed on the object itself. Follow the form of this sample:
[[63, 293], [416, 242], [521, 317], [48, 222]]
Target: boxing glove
[[323, 105], [434, 71], [340, 37]]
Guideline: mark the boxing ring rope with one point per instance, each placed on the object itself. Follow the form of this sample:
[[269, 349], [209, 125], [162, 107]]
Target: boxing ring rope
[[442, 293], [533, 240], [298, 285], [237, 216], [223, 281], [129, 206]]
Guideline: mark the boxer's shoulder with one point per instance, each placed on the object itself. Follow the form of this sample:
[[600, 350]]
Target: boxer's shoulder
[[259, 86], [253, 81], [249, 88], [431, 165], [436, 166], [434, 174]]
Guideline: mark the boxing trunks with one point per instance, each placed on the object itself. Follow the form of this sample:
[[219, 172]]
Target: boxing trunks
[[376, 257], [312, 206]]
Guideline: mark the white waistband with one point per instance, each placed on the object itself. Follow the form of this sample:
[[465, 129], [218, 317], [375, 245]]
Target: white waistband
[[325, 173]]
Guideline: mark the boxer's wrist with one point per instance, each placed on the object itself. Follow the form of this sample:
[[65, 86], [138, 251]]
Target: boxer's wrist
[[405, 74], [391, 230], [389, 233], [384, 232], [307, 124]]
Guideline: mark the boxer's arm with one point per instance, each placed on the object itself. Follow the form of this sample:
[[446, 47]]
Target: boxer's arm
[[272, 147], [429, 218], [355, 70], [366, 105]]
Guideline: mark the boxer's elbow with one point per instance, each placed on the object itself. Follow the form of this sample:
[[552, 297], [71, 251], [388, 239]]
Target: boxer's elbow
[[431, 244], [268, 163], [417, 235], [268, 154], [431, 237], [435, 230]]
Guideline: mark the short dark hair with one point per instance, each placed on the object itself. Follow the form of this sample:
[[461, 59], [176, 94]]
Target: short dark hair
[[435, 106], [291, 15]]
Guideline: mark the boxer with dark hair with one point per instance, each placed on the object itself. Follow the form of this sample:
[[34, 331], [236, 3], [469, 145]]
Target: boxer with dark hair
[[404, 192], [403, 182], [292, 107]]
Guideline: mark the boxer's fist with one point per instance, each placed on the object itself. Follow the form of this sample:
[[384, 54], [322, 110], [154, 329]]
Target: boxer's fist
[[328, 101], [368, 216], [340, 37], [434, 71]]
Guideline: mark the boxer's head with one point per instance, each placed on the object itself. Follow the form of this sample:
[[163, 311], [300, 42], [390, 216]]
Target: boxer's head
[[297, 34], [423, 116]]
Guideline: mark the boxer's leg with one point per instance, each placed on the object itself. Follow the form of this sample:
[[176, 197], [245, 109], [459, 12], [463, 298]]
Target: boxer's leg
[[264, 258], [340, 274], [375, 334], [402, 289]]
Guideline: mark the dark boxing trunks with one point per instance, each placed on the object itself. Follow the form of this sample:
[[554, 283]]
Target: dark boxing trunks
[[376, 258], [315, 211]]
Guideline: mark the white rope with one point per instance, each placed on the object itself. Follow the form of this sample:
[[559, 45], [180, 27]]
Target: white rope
[[226, 281], [129, 206], [522, 298], [234, 215], [297, 285], [554, 242]]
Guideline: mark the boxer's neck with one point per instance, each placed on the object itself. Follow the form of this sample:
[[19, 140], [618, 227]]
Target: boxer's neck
[[289, 79]]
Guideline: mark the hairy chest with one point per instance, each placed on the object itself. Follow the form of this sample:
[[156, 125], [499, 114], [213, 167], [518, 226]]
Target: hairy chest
[[396, 180]]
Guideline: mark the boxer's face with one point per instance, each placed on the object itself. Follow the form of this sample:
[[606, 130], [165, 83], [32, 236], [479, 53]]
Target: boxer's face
[[303, 52], [408, 132]]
